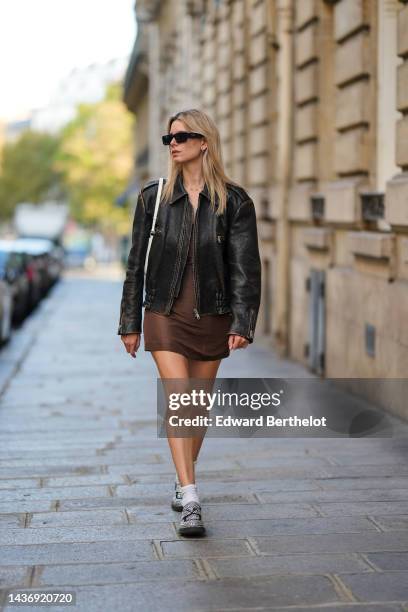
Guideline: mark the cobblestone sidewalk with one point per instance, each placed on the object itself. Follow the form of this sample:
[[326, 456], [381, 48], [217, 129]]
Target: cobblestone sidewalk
[[85, 487]]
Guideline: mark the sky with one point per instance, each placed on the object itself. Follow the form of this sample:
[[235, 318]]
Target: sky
[[41, 41]]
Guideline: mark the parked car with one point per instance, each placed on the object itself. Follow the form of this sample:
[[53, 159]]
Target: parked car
[[56, 256], [28, 268], [47, 259], [34, 279], [12, 272], [6, 311]]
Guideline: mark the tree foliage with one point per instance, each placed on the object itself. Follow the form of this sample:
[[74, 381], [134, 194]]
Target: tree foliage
[[89, 164], [95, 158], [28, 172]]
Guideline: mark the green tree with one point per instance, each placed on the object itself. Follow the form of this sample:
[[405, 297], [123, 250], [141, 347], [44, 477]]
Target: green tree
[[95, 158], [28, 172]]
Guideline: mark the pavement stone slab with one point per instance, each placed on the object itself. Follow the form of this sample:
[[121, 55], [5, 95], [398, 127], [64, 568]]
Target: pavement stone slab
[[75, 518], [289, 564], [366, 508], [361, 470], [116, 573], [83, 481], [364, 482], [14, 575], [207, 548], [300, 527], [74, 552], [23, 483], [369, 541], [38, 471], [342, 495], [388, 561], [88, 533], [28, 505], [12, 520], [383, 586], [52, 493], [225, 594], [393, 522]]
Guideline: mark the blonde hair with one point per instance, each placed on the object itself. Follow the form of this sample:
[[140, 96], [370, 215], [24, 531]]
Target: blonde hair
[[213, 167]]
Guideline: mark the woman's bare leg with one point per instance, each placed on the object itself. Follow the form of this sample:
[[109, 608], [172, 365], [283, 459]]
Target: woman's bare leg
[[170, 365], [173, 365], [207, 370]]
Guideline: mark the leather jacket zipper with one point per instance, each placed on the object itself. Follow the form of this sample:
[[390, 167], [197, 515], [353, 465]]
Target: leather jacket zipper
[[170, 302], [196, 310]]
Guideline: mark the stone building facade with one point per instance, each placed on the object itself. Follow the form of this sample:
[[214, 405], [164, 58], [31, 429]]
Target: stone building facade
[[311, 100]]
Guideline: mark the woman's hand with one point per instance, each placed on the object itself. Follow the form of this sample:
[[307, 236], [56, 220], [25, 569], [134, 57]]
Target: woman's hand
[[131, 342], [236, 342]]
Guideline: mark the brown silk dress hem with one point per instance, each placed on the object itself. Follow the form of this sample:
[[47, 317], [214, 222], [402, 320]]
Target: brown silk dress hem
[[204, 339], [188, 354]]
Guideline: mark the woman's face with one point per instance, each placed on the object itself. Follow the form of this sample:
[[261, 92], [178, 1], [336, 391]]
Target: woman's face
[[185, 151]]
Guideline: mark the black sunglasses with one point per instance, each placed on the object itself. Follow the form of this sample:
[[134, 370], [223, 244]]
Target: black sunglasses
[[180, 137]]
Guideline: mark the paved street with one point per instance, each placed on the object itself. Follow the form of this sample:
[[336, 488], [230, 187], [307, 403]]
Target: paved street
[[85, 486]]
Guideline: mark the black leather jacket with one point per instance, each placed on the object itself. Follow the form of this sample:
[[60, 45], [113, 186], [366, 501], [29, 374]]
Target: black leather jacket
[[226, 265]]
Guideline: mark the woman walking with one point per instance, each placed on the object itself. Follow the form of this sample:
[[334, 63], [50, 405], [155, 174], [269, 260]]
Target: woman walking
[[203, 279]]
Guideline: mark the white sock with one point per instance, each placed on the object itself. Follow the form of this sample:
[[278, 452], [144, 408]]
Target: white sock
[[177, 478], [190, 493]]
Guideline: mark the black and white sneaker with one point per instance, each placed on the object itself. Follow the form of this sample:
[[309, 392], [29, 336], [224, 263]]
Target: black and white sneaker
[[191, 523], [176, 502]]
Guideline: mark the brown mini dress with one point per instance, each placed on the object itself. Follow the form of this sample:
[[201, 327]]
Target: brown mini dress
[[181, 332]]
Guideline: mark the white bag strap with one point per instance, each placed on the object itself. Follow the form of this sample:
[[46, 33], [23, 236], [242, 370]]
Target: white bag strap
[[156, 208]]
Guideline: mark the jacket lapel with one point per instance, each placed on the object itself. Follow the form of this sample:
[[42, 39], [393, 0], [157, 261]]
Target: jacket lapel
[[179, 190]]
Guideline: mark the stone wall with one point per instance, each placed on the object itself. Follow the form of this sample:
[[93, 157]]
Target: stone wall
[[311, 100]]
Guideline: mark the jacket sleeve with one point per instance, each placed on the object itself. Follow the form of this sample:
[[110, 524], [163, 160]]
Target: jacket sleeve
[[132, 294], [244, 265]]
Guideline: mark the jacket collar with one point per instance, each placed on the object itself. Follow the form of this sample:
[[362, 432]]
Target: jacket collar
[[179, 190]]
